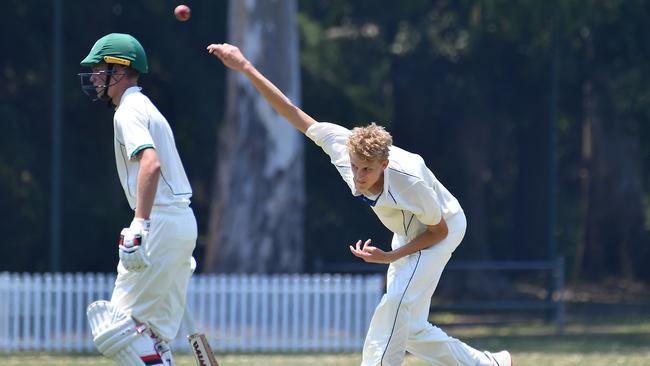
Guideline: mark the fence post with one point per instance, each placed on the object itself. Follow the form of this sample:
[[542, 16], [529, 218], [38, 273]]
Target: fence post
[[26, 288], [59, 291], [211, 327], [38, 310], [4, 311], [297, 296], [199, 309], [15, 338], [306, 292], [316, 336], [255, 297], [68, 308], [358, 311], [348, 304], [47, 312], [223, 303], [244, 306], [233, 293], [327, 290], [337, 310]]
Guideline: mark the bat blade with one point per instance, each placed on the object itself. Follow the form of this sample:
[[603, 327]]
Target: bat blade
[[201, 350]]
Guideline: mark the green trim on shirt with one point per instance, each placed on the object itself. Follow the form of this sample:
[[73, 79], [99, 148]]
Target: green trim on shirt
[[140, 148]]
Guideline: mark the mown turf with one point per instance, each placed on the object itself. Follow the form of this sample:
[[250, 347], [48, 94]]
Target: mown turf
[[584, 342]]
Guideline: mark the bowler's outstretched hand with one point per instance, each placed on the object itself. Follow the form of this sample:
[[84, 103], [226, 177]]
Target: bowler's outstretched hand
[[369, 253], [232, 58], [230, 55]]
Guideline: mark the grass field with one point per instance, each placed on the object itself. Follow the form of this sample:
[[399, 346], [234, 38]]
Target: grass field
[[593, 341]]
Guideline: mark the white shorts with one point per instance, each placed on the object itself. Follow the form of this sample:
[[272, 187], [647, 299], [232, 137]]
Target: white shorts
[[156, 296]]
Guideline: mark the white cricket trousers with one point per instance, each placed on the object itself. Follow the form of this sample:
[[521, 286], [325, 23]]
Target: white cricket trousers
[[400, 322], [156, 296]]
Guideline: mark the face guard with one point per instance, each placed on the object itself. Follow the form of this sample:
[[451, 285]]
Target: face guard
[[99, 92], [112, 49]]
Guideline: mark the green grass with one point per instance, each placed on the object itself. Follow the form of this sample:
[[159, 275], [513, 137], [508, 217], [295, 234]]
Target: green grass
[[585, 342]]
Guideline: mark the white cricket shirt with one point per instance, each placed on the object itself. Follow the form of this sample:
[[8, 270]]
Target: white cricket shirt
[[412, 197], [138, 125]]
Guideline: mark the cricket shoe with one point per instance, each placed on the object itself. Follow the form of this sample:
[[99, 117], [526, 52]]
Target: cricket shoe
[[502, 358]]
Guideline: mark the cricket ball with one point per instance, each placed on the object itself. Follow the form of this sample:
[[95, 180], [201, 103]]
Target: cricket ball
[[182, 12]]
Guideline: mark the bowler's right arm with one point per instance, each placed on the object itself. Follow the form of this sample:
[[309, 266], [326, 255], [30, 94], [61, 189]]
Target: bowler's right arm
[[232, 57]]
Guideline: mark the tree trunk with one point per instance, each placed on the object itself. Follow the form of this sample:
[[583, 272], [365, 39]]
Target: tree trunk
[[612, 188], [615, 217], [256, 214], [589, 115]]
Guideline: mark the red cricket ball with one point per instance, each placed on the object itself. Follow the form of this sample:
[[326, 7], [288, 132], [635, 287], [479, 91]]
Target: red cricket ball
[[182, 12]]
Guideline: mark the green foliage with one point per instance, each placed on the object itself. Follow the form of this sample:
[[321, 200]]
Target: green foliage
[[465, 84], [184, 83]]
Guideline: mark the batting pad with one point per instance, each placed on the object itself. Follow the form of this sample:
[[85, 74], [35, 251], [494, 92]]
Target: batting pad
[[119, 338]]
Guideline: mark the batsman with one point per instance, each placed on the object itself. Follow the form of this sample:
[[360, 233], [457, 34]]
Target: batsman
[[155, 251], [427, 221]]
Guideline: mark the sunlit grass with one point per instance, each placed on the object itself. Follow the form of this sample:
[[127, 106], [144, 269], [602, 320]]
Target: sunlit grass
[[586, 342]]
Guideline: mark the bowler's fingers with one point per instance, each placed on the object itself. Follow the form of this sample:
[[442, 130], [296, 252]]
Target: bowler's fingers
[[216, 46], [356, 249], [229, 55], [212, 47], [218, 51], [360, 254]]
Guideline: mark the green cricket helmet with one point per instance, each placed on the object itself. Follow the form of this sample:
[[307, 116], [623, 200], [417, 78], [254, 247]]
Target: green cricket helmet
[[118, 48], [115, 48]]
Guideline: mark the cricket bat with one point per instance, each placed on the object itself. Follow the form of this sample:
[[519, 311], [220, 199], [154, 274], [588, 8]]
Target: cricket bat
[[198, 343]]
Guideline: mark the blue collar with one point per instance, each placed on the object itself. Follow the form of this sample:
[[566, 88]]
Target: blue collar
[[367, 200]]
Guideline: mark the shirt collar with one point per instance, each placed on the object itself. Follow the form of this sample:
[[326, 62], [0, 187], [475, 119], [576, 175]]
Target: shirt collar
[[130, 90], [369, 201]]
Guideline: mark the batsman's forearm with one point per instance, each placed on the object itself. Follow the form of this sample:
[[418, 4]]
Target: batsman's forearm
[[278, 101], [148, 177]]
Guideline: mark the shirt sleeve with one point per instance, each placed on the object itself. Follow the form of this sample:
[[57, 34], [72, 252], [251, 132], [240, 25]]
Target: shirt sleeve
[[133, 126], [423, 202], [333, 138]]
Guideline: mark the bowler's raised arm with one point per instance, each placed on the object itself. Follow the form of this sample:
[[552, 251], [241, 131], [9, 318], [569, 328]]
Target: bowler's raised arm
[[232, 57]]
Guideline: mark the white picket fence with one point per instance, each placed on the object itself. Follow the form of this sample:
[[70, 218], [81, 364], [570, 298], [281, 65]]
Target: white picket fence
[[238, 313]]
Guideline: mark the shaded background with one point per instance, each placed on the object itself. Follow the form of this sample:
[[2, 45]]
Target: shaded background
[[534, 115]]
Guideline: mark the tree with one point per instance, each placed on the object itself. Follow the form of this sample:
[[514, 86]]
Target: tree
[[612, 191], [256, 216]]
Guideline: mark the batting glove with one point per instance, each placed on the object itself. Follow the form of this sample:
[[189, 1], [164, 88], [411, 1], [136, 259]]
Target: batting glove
[[132, 252]]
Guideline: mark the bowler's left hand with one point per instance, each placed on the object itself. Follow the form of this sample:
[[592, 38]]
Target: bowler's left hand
[[370, 254]]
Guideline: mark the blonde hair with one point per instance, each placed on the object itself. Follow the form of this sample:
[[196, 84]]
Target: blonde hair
[[371, 142]]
